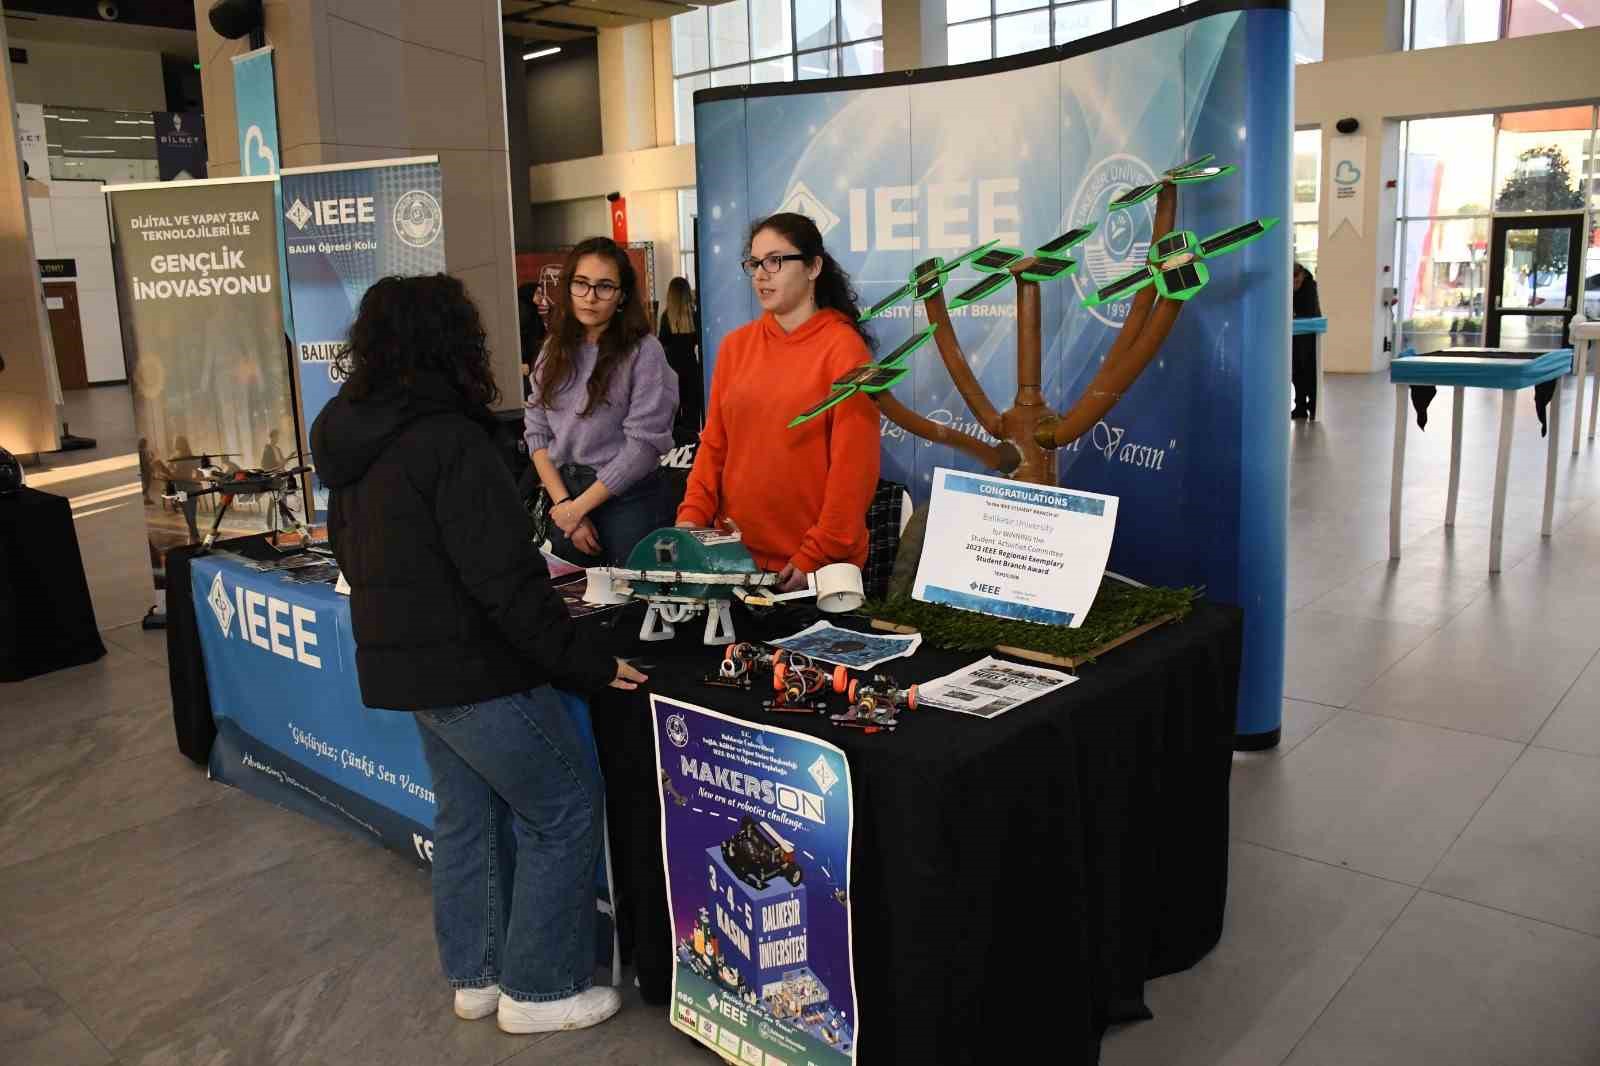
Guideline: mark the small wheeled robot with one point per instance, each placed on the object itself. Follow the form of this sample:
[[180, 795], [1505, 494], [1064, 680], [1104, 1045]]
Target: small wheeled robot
[[875, 703], [799, 685], [744, 663]]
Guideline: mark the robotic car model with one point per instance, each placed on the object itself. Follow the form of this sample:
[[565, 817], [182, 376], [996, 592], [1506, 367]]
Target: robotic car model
[[757, 854], [875, 704], [797, 684]]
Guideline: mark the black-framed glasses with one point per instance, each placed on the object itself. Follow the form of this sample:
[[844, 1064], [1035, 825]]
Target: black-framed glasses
[[603, 290], [771, 264]]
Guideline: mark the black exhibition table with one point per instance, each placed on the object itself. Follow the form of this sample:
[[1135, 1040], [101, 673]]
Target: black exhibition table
[[46, 616], [1015, 881]]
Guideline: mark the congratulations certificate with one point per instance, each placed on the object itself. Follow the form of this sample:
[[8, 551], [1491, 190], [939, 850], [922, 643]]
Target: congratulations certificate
[[1014, 550]]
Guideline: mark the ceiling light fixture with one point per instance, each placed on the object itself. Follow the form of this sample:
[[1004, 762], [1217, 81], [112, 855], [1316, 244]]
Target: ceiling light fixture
[[541, 53], [63, 118], [1551, 6], [1576, 23]]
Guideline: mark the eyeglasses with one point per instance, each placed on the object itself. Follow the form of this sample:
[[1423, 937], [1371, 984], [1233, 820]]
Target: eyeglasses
[[603, 290], [771, 264]]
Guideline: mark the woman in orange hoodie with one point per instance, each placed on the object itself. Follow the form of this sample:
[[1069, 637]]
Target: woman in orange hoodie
[[799, 496]]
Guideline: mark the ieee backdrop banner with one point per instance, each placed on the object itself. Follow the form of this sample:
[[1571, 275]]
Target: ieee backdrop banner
[[345, 226], [291, 727], [756, 825], [901, 167], [197, 281]]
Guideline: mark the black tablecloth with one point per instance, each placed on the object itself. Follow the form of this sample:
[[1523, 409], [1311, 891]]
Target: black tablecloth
[[46, 616], [1016, 880]]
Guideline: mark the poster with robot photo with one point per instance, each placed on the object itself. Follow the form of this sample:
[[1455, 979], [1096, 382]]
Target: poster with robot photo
[[756, 827], [197, 282], [345, 226]]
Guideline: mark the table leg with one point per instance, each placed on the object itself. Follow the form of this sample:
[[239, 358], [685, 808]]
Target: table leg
[[1594, 402], [1552, 449], [1320, 394], [1457, 408], [1397, 477], [1502, 468], [1580, 358]]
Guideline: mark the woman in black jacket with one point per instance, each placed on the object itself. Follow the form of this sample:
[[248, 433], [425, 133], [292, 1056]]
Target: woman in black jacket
[[680, 338], [455, 619], [1303, 369]]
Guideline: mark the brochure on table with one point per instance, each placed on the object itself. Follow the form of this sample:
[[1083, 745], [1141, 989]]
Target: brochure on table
[[990, 687], [1014, 550]]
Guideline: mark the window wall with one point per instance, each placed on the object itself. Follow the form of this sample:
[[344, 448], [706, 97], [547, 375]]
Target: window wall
[[1307, 195], [1437, 23], [1458, 175], [990, 29], [751, 42]]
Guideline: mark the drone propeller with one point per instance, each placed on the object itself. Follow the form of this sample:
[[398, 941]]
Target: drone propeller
[[1196, 170], [1176, 263], [885, 374]]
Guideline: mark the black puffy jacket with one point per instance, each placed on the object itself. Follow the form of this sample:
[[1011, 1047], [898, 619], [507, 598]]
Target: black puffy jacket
[[450, 600]]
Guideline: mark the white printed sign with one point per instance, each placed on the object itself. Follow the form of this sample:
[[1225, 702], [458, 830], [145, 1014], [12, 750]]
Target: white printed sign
[[1014, 550], [1347, 158]]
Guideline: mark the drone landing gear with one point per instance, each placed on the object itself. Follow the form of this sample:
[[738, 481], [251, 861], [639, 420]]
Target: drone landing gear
[[719, 623]]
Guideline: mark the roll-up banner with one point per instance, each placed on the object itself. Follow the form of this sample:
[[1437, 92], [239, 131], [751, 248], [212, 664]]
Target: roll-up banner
[[345, 226], [902, 167], [197, 282]]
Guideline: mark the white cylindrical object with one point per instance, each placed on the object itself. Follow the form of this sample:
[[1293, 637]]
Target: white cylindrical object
[[599, 588], [839, 588]]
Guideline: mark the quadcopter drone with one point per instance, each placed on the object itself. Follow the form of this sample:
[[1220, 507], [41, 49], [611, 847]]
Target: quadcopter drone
[[279, 486]]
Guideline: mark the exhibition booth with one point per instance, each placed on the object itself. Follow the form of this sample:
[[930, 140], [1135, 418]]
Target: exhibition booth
[[959, 810]]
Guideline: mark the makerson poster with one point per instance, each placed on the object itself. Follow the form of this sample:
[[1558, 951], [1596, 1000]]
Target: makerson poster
[[756, 826], [900, 167], [197, 282], [345, 226]]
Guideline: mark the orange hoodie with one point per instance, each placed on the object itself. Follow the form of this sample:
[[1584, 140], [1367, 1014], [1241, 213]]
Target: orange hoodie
[[799, 495]]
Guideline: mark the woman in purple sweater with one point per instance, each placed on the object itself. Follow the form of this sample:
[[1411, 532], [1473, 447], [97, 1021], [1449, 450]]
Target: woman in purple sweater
[[598, 418]]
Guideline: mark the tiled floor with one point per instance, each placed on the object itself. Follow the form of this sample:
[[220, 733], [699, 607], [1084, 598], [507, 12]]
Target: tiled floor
[[1415, 873]]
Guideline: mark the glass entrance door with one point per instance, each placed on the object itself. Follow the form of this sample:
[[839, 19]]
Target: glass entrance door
[[1535, 270]]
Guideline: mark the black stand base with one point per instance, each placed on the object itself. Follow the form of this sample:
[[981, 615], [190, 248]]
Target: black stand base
[[1257, 741], [154, 618], [71, 443]]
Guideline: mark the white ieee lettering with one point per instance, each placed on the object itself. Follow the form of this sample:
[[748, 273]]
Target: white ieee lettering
[[944, 208], [344, 211], [304, 636], [255, 621], [276, 608], [261, 622]]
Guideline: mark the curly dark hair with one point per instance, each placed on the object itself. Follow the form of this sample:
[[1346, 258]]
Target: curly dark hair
[[833, 287], [629, 324], [407, 325]]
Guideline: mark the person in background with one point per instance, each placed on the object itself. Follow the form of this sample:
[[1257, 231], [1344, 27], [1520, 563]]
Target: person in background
[[531, 329], [1304, 366], [599, 416], [799, 495], [455, 620], [272, 456], [680, 337]]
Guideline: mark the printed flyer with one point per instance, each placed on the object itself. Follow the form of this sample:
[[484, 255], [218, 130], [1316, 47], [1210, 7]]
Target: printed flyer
[[756, 825]]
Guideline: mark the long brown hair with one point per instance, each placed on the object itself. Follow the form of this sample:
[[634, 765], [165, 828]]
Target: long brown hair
[[629, 324], [833, 287], [680, 306]]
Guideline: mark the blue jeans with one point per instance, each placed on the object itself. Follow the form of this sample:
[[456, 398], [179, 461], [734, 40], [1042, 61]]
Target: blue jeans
[[517, 838], [621, 522]]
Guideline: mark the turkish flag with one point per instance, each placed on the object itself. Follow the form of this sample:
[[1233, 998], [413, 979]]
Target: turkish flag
[[619, 220]]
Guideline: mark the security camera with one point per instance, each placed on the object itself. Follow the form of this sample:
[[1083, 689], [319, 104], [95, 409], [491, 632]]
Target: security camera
[[234, 19], [108, 10], [1347, 125]]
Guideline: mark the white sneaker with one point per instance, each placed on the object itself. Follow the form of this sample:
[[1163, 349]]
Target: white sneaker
[[575, 1012], [475, 1003]]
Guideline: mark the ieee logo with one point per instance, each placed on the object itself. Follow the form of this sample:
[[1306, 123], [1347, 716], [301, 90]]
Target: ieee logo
[[802, 201], [992, 590], [298, 213], [220, 605], [823, 774]]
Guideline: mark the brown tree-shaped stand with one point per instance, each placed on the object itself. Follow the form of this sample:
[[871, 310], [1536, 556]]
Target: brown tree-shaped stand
[[1029, 432]]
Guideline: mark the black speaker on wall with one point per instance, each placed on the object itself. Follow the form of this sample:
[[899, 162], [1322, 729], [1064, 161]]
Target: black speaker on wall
[[236, 18]]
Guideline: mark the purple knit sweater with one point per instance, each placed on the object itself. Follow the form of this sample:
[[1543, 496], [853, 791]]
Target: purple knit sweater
[[623, 438]]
